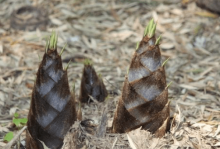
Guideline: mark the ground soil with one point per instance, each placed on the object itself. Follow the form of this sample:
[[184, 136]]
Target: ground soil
[[107, 32]]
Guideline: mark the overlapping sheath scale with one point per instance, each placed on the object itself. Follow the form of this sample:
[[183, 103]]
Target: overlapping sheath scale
[[91, 85], [52, 109], [144, 100]]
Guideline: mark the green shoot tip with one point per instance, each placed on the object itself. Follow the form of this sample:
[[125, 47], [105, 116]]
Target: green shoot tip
[[158, 40], [53, 40], [63, 49], [128, 70], [67, 65], [87, 62], [137, 45], [165, 62], [150, 29], [146, 31], [169, 84]]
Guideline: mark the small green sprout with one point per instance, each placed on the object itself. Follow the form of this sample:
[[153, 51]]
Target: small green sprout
[[87, 62], [9, 136], [147, 29], [16, 115], [63, 49], [67, 65], [128, 70], [53, 40], [150, 29], [165, 62], [158, 40], [137, 45], [169, 84], [19, 121]]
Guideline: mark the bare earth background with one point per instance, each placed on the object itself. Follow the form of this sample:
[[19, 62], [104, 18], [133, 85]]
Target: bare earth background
[[107, 32]]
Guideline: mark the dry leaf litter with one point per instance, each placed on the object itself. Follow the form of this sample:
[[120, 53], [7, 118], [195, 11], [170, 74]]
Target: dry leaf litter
[[106, 32]]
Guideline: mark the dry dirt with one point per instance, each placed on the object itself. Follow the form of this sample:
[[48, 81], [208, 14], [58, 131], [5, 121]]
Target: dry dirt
[[107, 32]]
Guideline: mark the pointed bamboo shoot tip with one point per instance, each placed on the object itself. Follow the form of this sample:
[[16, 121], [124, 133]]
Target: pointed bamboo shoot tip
[[87, 62], [169, 84], [67, 65], [55, 43], [158, 40], [53, 40], [152, 30], [63, 49], [137, 45], [165, 62], [146, 31]]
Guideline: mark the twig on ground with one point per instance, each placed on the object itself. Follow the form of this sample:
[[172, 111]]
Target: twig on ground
[[8, 146]]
